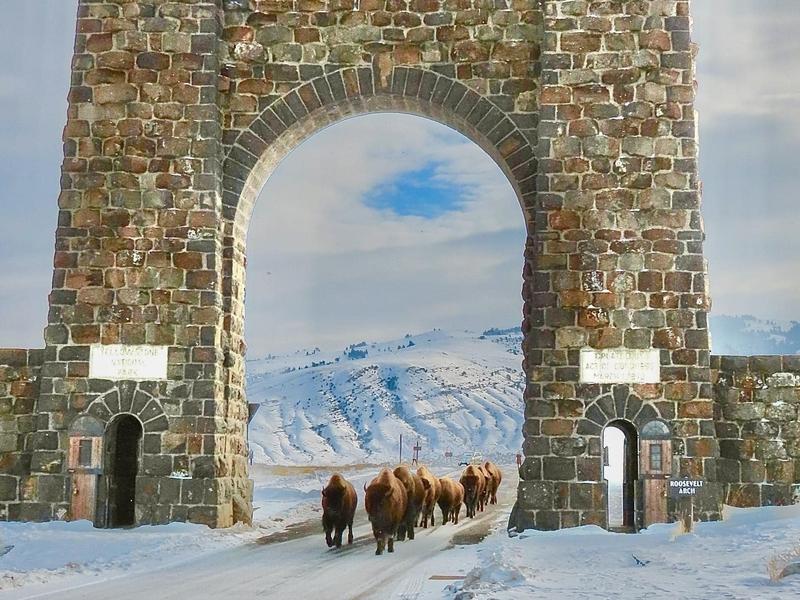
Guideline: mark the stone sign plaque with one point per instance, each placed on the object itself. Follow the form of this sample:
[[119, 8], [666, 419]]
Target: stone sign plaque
[[620, 365], [117, 362]]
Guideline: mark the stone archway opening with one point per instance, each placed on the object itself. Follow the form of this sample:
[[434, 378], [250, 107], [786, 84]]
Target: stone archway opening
[[621, 473], [403, 262], [123, 455]]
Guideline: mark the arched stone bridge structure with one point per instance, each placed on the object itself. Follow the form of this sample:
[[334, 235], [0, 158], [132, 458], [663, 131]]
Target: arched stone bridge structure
[[179, 111]]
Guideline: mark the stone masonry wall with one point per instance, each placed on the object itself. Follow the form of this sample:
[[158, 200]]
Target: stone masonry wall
[[617, 254], [19, 388], [139, 250], [756, 413]]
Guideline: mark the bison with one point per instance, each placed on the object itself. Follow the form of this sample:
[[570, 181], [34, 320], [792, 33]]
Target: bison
[[450, 499], [474, 483], [415, 496], [386, 500], [339, 502], [432, 490], [496, 477], [487, 484]]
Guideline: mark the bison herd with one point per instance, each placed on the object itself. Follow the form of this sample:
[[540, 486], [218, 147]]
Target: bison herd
[[400, 500]]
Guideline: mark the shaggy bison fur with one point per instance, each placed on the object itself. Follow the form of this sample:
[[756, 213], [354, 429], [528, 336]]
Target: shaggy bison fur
[[386, 500], [415, 495], [450, 499], [487, 484], [432, 490], [474, 482], [339, 502], [496, 477]]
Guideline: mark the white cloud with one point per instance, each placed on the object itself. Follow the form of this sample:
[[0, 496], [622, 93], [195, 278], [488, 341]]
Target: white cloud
[[324, 268], [319, 188], [749, 62]]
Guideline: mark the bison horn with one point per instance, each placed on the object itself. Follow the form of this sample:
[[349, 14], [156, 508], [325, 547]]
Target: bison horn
[[365, 487]]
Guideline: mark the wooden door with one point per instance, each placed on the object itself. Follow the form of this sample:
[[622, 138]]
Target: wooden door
[[84, 496], [655, 467], [84, 466]]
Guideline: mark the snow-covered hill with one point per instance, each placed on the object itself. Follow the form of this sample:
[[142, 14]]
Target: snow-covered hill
[[454, 391]]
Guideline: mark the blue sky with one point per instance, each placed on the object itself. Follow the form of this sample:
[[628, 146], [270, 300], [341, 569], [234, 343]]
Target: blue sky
[[412, 214], [422, 192]]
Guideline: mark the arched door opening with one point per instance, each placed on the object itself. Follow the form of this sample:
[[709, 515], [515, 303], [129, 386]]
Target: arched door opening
[[621, 472], [123, 438]]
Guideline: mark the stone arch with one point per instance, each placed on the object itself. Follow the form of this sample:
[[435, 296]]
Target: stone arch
[[290, 119], [130, 398], [312, 105], [619, 403]]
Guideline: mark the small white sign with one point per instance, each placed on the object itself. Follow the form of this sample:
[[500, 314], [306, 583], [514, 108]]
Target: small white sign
[[118, 362], [680, 488], [620, 365]]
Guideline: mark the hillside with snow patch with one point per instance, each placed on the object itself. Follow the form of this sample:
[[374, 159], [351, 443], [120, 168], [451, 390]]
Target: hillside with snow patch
[[454, 391]]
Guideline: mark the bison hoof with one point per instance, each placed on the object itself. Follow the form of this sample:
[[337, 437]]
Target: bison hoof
[[378, 552]]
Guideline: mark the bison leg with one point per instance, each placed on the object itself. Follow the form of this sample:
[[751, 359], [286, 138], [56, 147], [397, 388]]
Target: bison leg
[[350, 532], [328, 539], [391, 544], [381, 542], [456, 510], [410, 528], [338, 537]]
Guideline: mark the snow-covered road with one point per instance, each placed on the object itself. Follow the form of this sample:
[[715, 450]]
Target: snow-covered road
[[299, 568]]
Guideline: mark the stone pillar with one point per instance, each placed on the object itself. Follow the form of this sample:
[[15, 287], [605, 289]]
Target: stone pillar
[[139, 254], [617, 255]]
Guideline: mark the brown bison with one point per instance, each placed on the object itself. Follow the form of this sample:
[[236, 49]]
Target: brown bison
[[432, 490], [450, 499], [339, 502], [415, 492], [497, 477], [474, 483], [487, 484], [385, 499]]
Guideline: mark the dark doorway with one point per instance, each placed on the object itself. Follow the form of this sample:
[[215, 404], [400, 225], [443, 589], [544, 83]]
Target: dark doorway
[[621, 471], [122, 463]]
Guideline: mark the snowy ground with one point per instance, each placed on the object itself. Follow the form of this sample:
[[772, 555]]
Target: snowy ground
[[284, 555], [727, 559], [284, 497]]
